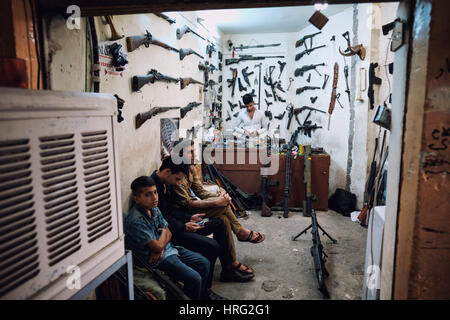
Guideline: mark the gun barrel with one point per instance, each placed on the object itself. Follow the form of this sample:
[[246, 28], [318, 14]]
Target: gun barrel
[[163, 45]]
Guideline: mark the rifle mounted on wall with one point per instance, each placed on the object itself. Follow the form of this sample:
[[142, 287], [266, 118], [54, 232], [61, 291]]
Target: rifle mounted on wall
[[146, 39], [188, 108], [300, 55], [242, 47], [184, 82], [142, 117], [168, 19], [139, 81], [185, 52], [248, 58], [301, 71], [185, 29], [308, 36]]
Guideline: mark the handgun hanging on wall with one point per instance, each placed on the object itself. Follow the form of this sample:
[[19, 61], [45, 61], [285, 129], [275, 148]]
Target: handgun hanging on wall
[[232, 81], [373, 79]]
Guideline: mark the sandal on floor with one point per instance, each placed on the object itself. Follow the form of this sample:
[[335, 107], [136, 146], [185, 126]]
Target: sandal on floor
[[244, 271], [258, 239]]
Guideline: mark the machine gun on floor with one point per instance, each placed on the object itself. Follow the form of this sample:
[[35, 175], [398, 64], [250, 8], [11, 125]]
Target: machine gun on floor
[[317, 252]]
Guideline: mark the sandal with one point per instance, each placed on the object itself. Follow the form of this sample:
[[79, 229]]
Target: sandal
[[258, 239], [247, 269]]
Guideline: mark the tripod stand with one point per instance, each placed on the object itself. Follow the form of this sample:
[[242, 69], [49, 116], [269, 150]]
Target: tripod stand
[[310, 226], [317, 253]]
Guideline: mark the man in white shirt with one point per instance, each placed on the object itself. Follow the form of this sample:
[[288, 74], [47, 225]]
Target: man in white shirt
[[251, 122]]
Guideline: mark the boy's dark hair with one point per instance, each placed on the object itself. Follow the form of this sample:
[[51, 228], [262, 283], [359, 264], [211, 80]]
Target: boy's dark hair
[[167, 163], [139, 183], [247, 98]]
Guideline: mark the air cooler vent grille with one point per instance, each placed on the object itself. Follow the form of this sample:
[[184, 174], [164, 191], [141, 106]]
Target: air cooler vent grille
[[97, 183], [19, 258], [60, 196]]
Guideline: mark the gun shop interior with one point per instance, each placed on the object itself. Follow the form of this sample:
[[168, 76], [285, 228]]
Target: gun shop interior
[[327, 119]]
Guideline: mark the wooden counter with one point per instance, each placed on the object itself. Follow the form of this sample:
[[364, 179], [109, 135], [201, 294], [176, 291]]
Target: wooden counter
[[247, 176]]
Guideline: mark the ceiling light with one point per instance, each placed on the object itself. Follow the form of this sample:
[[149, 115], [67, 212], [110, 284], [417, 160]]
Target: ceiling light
[[320, 6]]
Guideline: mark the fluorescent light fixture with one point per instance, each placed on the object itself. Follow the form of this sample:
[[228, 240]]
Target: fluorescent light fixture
[[320, 6]]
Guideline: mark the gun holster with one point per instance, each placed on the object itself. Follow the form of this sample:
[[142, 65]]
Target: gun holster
[[383, 117]]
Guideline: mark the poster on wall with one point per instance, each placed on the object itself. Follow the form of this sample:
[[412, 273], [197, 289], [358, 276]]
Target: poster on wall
[[107, 52], [169, 134]]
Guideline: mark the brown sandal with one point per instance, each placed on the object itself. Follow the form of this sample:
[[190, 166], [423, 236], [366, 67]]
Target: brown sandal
[[258, 239], [247, 269]]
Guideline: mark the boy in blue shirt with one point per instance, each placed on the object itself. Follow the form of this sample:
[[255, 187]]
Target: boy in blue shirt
[[148, 235]]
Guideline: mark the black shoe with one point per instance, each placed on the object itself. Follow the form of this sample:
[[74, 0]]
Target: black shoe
[[235, 276], [211, 295]]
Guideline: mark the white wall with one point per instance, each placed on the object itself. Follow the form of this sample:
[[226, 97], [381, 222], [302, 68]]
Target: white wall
[[139, 149], [283, 50], [336, 140]]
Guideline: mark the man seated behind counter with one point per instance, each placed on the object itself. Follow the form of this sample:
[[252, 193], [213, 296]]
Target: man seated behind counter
[[251, 122]]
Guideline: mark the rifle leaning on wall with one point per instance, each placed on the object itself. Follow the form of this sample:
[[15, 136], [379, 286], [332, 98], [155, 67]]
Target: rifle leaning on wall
[[185, 52], [265, 184], [241, 201], [147, 39], [287, 183]]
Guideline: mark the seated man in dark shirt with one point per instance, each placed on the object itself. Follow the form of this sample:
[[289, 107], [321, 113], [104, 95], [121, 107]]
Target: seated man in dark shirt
[[148, 235], [186, 229]]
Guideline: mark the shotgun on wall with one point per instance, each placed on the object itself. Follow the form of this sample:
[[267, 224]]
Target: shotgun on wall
[[142, 117], [146, 39], [139, 81]]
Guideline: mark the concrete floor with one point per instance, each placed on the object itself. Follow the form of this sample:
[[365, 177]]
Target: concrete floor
[[284, 269]]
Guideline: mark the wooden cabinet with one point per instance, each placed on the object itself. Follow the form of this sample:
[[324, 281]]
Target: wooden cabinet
[[246, 174]]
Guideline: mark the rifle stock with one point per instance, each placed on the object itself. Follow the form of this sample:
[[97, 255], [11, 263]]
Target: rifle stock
[[139, 81], [134, 42], [300, 42], [189, 107], [142, 117], [185, 52], [184, 82]]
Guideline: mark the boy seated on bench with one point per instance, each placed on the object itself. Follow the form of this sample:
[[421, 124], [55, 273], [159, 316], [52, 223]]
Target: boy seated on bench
[[148, 235]]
